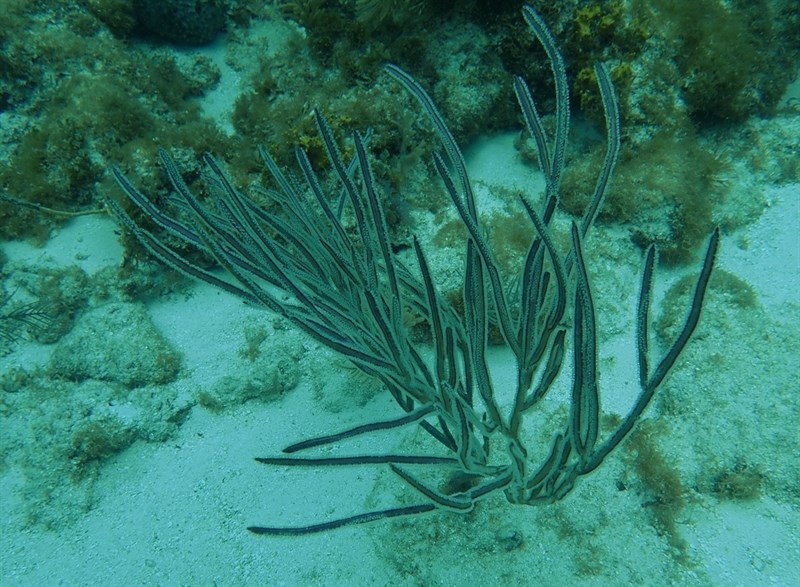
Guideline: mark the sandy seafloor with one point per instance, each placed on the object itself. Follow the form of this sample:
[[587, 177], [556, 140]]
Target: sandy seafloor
[[723, 429], [174, 513]]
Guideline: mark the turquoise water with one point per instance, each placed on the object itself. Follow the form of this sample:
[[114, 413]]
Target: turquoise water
[[130, 420]]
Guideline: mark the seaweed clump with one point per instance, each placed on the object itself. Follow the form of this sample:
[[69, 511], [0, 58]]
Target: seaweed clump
[[662, 490], [736, 58], [742, 482], [81, 97], [20, 318]]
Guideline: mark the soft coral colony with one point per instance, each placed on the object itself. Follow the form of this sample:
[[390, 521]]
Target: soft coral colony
[[326, 264]]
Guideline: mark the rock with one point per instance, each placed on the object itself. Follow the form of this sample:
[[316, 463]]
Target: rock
[[116, 342], [186, 22]]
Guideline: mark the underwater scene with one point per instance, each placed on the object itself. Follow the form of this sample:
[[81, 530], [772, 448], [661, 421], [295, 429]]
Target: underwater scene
[[400, 292]]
